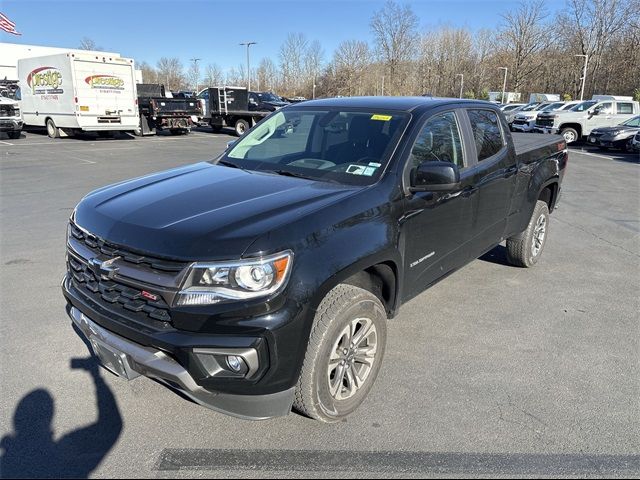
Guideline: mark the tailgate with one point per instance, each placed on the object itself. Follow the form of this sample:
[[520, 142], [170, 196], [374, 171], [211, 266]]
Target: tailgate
[[177, 106]]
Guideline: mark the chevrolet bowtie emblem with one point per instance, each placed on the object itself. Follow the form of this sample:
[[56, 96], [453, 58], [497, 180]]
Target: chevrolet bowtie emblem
[[105, 270]]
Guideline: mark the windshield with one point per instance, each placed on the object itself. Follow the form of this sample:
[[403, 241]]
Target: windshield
[[581, 107], [269, 97], [528, 108], [632, 122], [508, 108], [350, 147], [552, 106]]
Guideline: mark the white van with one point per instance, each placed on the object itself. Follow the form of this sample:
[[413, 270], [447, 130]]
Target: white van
[[69, 92]]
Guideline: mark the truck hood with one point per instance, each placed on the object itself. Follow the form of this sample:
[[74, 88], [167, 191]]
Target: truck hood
[[202, 211], [7, 101]]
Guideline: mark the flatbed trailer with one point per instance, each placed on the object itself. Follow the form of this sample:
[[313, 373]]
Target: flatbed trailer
[[229, 106]]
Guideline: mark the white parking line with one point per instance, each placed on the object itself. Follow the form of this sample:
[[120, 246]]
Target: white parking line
[[582, 152], [6, 143]]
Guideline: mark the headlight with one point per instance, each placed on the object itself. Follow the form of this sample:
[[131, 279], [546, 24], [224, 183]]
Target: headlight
[[615, 133], [222, 282]]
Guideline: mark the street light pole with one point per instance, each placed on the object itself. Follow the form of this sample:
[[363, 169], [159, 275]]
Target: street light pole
[[504, 84], [584, 74], [248, 44], [461, 75], [196, 71]]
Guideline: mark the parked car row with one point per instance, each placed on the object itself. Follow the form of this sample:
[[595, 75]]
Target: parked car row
[[605, 121]]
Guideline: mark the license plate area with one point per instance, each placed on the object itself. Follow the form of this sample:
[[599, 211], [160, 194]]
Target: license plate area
[[112, 359]]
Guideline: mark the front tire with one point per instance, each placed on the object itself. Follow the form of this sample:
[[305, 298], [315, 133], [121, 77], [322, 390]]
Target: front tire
[[14, 135], [525, 249], [570, 134], [344, 354]]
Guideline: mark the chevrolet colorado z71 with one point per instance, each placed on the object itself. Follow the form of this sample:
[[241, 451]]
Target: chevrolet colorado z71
[[264, 279]]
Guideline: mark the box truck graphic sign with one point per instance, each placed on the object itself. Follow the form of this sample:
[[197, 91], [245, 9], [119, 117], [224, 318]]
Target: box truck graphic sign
[[105, 82], [45, 81]]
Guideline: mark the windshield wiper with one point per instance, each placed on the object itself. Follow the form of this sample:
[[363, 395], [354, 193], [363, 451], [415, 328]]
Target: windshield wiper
[[287, 173], [227, 163]]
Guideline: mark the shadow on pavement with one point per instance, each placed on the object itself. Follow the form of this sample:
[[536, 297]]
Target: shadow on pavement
[[32, 451], [497, 255]]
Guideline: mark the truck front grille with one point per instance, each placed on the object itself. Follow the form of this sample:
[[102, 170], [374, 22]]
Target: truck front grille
[[98, 246], [544, 122], [8, 111], [109, 293], [518, 121]]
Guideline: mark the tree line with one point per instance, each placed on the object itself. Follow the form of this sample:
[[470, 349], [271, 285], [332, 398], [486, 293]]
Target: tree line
[[542, 53]]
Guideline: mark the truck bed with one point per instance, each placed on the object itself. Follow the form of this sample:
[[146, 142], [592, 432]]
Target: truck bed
[[527, 142], [531, 147]]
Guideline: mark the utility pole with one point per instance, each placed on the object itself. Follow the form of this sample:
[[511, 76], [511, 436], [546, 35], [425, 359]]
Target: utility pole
[[196, 71], [383, 85], [504, 84], [461, 75], [584, 74], [314, 85], [248, 44]]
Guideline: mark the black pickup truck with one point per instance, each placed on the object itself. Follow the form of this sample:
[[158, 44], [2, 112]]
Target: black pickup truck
[[159, 111], [264, 279]]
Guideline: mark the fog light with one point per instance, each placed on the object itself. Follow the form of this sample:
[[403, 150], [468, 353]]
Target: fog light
[[235, 363]]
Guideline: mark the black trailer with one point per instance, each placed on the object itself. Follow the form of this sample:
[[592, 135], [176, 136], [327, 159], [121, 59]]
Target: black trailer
[[229, 106], [159, 112]]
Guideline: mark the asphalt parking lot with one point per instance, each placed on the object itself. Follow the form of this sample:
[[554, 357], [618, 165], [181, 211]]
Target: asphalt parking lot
[[495, 371]]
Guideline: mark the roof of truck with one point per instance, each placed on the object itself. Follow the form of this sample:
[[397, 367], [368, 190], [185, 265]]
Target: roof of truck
[[407, 104]]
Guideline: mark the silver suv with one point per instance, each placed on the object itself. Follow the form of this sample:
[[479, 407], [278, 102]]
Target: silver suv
[[576, 123]]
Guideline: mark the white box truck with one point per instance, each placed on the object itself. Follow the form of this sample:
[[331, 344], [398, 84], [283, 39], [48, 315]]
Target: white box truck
[[72, 92]]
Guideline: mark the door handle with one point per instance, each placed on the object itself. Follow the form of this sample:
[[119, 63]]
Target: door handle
[[468, 191], [510, 172]]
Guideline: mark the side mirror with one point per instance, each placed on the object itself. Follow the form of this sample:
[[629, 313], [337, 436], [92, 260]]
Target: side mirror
[[230, 143], [435, 177], [595, 111]]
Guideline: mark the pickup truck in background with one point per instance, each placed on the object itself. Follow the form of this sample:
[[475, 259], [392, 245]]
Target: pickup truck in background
[[230, 107], [10, 118], [265, 102], [577, 123], [160, 111], [265, 278]]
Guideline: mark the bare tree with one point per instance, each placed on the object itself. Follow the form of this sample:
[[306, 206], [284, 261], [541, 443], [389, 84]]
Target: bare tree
[[193, 76], [170, 73], [88, 44], [350, 61], [524, 35], [267, 75], [149, 74], [292, 54], [213, 75], [394, 28]]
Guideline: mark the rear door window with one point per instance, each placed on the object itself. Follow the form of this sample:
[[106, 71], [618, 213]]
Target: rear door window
[[486, 132], [625, 108]]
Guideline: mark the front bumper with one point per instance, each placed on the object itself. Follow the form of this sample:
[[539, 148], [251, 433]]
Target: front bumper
[[130, 360], [10, 125], [545, 129], [523, 127]]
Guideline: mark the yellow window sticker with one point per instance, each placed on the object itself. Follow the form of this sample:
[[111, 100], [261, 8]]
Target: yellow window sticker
[[84, 108], [384, 118]]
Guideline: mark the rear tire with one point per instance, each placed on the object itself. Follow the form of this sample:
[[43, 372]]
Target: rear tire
[[52, 130], [241, 127], [570, 134], [525, 249], [344, 354]]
